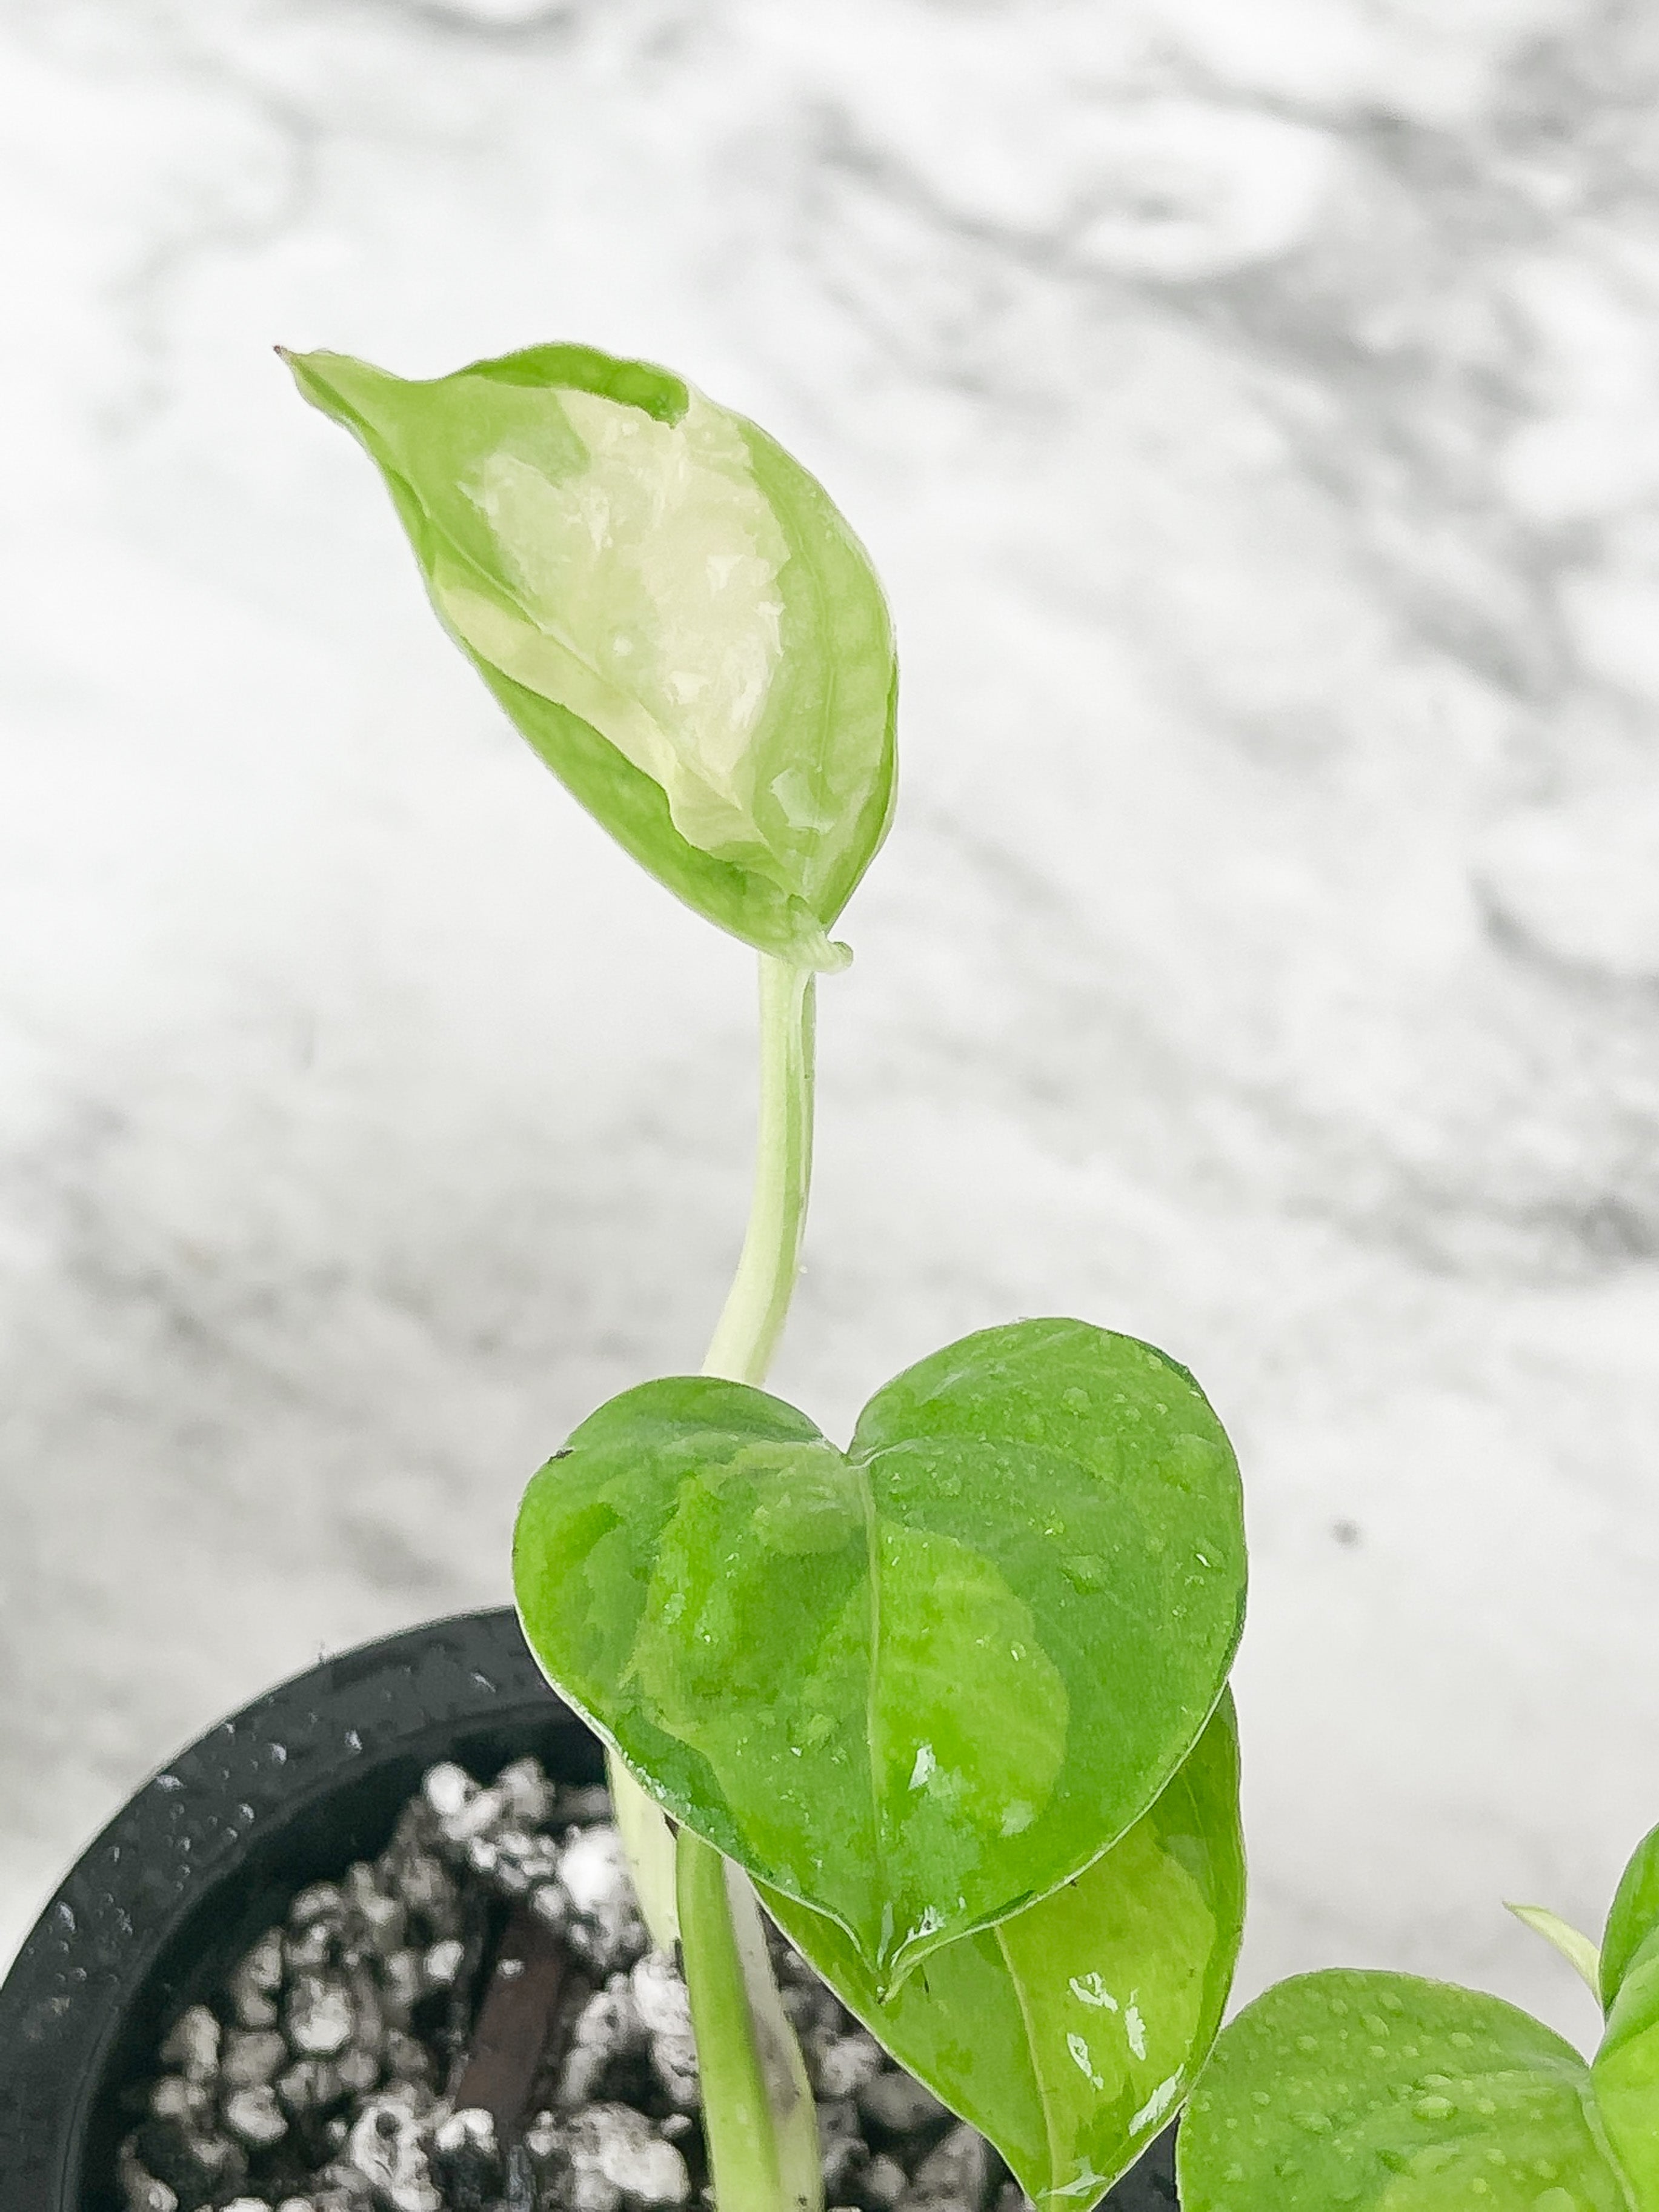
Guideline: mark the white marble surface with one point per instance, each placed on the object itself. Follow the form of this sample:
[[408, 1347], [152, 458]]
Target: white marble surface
[[1255, 414]]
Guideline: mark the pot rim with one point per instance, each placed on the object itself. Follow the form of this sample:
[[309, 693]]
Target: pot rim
[[205, 1855]]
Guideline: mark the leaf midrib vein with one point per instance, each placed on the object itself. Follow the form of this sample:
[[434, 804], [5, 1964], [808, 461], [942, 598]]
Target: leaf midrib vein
[[1045, 2105], [872, 1560]]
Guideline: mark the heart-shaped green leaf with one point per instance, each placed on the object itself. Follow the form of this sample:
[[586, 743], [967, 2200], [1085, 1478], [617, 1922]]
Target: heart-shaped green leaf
[[1070, 2033], [1387, 2094], [918, 1685], [668, 607]]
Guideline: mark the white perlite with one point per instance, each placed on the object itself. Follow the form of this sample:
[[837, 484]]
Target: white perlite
[[192, 2046], [594, 1872], [252, 2055], [614, 2156], [448, 1789], [664, 2002], [608, 2027], [254, 1985], [319, 2016], [255, 2116], [957, 2171], [367, 1950], [384, 2147], [526, 1793], [606, 1928], [142, 2191], [664, 2008], [845, 2065]]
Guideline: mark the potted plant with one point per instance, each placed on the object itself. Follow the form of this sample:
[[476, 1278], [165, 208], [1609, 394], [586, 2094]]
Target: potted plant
[[933, 1730]]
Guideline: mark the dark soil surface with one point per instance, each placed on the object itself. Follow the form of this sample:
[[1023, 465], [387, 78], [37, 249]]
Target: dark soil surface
[[475, 2022]]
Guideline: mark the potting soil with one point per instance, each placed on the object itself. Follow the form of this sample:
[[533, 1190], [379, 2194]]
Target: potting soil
[[350, 2062]]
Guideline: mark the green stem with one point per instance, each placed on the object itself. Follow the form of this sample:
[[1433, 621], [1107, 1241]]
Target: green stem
[[751, 1322], [758, 2113], [737, 2107], [757, 2106], [648, 1843]]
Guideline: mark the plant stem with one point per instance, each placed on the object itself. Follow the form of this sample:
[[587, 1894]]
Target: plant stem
[[757, 2106], [747, 1333], [745, 2142], [648, 1843], [758, 2113]]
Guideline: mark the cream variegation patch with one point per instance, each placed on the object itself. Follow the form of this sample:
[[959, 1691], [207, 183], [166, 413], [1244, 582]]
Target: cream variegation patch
[[649, 581]]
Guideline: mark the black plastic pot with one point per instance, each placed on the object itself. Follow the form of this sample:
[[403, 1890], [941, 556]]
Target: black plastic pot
[[209, 1854]]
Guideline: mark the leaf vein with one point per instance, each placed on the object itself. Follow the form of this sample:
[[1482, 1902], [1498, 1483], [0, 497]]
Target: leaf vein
[[872, 1702], [1045, 2103]]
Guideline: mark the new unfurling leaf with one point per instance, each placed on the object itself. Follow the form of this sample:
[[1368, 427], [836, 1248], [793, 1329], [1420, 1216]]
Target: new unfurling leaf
[[670, 609]]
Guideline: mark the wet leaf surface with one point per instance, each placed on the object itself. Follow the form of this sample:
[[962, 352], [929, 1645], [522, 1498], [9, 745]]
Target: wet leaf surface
[[1070, 2033], [1374, 2090], [919, 1684]]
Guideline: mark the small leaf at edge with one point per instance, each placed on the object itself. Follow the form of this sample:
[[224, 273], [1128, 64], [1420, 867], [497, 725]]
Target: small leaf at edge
[[1580, 1953]]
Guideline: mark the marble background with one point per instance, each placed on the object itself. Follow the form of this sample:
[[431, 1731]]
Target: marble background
[[1255, 412]]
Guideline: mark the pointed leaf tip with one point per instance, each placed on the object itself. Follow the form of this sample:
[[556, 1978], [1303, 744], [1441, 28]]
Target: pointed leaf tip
[[1580, 1953], [1092, 2011]]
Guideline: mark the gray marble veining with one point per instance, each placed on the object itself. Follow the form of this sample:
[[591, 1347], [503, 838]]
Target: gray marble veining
[[1255, 414]]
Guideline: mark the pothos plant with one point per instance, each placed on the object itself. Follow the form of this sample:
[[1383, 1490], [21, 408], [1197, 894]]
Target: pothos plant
[[1386, 2092], [949, 1702]]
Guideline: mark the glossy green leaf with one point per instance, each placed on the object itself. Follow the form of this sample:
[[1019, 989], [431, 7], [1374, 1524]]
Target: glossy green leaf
[[1374, 2090], [918, 1685], [1627, 2065], [1633, 1917], [1070, 2033], [670, 608]]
